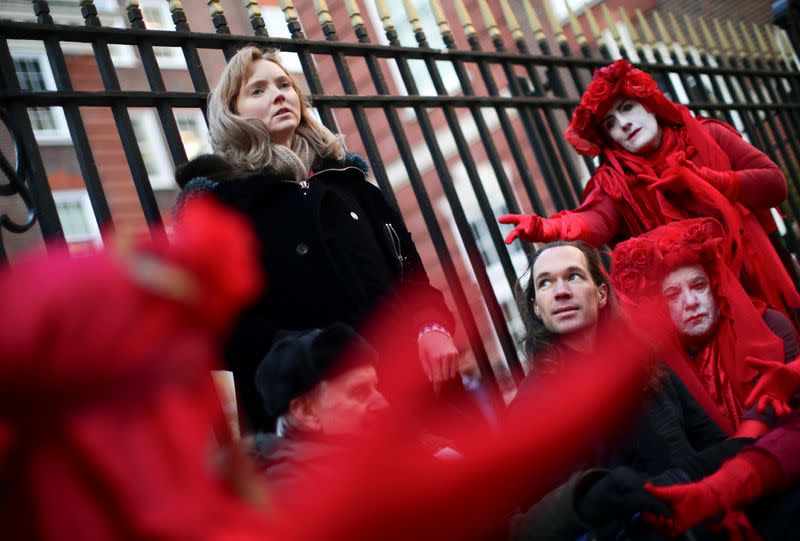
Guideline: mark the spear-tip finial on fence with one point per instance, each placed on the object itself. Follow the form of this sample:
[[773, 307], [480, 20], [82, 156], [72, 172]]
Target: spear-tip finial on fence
[[649, 36], [694, 37], [772, 40], [385, 16], [711, 43], [175, 5], [354, 12], [323, 12], [555, 24], [723, 40], [749, 44], [662, 29], [737, 43], [762, 43], [533, 20], [676, 28], [131, 4], [215, 7], [577, 28], [254, 15], [464, 19], [594, 27], [413, 16], [626, 21], [489, 20], [253, 9], [611, 24], [439, 17], [512, 23]]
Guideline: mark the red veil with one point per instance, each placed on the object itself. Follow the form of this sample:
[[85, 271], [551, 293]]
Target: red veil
[[717, 375], [746, 247]]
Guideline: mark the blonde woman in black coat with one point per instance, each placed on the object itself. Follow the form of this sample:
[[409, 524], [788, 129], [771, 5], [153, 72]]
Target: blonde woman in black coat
[[333, 250]]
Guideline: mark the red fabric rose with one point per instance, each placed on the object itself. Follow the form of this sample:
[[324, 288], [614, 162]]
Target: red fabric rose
[[638, 84]]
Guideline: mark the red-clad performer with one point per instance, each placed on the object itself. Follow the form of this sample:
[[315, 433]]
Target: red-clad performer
[[660, 164], [718, 327], [106, 397]]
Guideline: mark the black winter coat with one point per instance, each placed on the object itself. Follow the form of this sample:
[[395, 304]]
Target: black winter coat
[[331, 248]]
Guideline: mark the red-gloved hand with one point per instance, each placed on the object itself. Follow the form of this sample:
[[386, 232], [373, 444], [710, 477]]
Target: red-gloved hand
[[565, 225], [738, 527], [531, 228], [777, 384], [728, 183], [691, 504], [735, 484]]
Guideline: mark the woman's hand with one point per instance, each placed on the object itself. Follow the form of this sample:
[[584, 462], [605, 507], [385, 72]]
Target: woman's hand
[[439, 357]]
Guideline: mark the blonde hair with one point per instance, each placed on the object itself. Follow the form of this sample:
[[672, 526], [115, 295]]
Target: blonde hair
[[245, 142]]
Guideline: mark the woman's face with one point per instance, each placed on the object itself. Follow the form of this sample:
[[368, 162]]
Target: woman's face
[[632, 126], [268, 95], [691, 301]]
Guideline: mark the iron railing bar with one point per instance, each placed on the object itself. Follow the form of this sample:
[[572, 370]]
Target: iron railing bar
[[156, 82], [496, 314], [20, 125], [577, 80], [170, 38], [141, 98], [77, 130], [468, 160], [426, 208], [141, 180], [565, 199], [193, 63], [362, 123], [310, 72]]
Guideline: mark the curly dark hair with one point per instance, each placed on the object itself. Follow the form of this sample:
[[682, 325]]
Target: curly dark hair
[[539, 341]]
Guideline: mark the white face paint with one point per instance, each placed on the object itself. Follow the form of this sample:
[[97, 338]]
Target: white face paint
[[691, 302], [632, 126]]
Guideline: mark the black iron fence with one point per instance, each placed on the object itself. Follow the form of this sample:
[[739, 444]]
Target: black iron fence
[[484, 137]]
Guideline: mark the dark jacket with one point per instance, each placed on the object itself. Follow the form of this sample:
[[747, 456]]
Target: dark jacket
[[673, 441], [331, 248]]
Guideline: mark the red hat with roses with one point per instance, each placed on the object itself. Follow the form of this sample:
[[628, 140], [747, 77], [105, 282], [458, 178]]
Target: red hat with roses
[[641, 263], [611, 82]]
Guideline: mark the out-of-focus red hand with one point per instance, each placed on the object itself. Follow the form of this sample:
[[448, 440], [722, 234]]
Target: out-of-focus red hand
[[530, 228], [778, 382], [691, 504]]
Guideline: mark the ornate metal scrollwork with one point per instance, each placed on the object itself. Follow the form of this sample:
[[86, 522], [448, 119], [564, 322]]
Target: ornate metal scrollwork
[[17, 182]]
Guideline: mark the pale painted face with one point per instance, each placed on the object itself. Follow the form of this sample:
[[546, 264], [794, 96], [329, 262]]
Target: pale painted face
[[268, 95], [632, 126], [348, 403], [691, 301], [567, 299]]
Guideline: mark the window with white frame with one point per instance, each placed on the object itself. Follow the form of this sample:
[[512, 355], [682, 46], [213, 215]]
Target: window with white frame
[[194, 132], [157, 16], [405, 34], [49, 124], [151, 145], [76, 216], [275, 23]]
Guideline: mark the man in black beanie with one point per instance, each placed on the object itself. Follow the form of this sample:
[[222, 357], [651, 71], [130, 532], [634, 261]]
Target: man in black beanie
[[322, 387]]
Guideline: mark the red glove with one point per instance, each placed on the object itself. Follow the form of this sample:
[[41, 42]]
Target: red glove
[[533, 228], [777, 384], [679, 178], [736, 483], [728, 183], [738, 527]]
